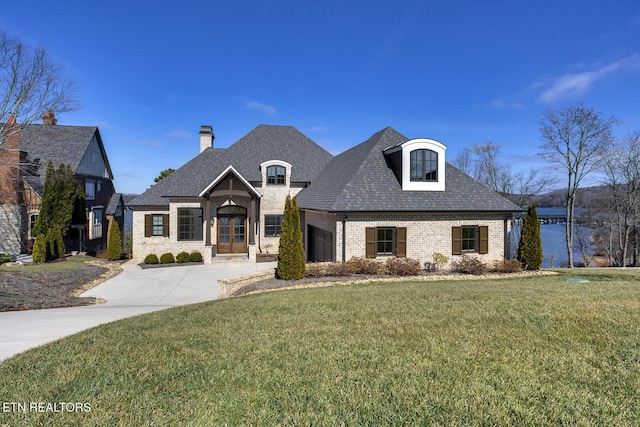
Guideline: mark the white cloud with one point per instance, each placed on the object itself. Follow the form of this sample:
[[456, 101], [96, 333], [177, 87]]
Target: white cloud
[[149, 143], [504, 104], [179, 133], [571, 85], [254, 105]]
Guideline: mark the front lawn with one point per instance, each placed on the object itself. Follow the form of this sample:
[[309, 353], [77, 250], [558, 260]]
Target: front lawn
[[522, 351]]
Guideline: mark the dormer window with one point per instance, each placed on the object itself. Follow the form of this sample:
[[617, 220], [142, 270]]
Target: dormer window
[[418, 164], [276, 175], [424, 165]]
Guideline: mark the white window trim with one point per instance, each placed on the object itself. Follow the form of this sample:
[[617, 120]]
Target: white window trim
[[428, 144]]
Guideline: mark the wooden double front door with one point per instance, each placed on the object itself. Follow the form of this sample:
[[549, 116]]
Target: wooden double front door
[[232, 231]]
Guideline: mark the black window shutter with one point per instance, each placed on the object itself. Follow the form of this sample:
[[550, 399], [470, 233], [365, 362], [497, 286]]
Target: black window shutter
[[456, 240], [370, 235]]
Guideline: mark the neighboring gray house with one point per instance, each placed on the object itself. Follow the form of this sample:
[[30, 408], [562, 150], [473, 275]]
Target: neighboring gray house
[[395, 196], [389, 196], [229, 201]]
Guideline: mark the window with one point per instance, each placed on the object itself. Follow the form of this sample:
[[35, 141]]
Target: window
[[32, 222], [424, 165], [90, 189], [95, 223], [156, 225], [189, 223], [470, 238], [273, 225], [99, 186], [276, 175], [386, 241]]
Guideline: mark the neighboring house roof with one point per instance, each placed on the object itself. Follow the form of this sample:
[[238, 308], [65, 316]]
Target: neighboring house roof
[[360, 180], [264, 143], [58, 144], [116, 199]]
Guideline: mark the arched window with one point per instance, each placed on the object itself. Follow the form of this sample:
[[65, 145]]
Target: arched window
[[424, 165], [276, 175]]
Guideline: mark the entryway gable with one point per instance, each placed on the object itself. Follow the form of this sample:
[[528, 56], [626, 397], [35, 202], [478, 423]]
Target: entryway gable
[[230, 171]]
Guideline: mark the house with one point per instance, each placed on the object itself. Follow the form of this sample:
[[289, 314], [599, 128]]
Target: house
[[395, 196], [389, 196], [24, 155], [229, 201]]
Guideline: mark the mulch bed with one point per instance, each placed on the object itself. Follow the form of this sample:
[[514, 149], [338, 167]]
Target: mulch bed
[[32, 290]]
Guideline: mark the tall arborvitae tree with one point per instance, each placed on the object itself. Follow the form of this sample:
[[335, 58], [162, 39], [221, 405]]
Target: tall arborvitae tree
[[63, 203], [114, 242], [530, 246], [291, 258]]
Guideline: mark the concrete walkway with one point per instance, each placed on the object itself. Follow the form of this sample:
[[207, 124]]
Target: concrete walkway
[[134, 291]]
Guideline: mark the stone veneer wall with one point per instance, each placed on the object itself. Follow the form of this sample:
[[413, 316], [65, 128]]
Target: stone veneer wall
[[11, 229], [426, 233]]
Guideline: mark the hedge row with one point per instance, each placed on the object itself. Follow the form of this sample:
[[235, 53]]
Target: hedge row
[[168, 258]]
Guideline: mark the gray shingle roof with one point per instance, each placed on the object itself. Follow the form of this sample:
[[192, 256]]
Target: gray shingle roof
[[265, 142], [360, 180], [58, 144]]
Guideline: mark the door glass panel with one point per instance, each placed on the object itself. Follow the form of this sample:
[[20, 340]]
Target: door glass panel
[[238, 230], [224, 230]]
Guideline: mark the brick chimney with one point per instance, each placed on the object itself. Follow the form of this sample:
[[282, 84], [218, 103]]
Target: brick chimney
[[49, 119], [206, 137]]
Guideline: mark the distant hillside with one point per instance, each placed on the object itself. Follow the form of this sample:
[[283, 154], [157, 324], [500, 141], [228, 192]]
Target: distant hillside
[[585, 198]]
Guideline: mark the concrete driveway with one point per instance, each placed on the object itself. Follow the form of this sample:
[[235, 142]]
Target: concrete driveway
[[134, 291]]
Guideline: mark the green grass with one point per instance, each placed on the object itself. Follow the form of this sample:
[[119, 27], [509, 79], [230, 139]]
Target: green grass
[[68, 263], [521, 351]]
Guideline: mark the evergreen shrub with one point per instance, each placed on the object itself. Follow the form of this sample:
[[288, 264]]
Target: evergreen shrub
[[114, 243], [195, 256], [151, 259], [182, 257], [167, 258]]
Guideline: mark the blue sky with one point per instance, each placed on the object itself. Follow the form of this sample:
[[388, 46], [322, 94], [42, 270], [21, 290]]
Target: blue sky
[[150, 73]]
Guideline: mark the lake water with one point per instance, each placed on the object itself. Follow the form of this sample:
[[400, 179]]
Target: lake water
[[554, 240]]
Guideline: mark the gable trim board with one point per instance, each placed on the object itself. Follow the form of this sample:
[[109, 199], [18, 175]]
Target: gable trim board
[[342, 203]]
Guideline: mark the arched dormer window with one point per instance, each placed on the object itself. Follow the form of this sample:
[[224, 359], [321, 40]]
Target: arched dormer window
[[424, 165], [276, 175]]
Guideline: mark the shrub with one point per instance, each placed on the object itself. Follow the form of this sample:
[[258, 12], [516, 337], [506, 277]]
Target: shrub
[[530, 245], [167, 258], [195, 256], [470, 265], [40, 249], [291, 265], [402, 266], [114, 242], [55, 244], [151, 259], [315, 269], [182, 257], [362, 265], [507, 266], [5, 258], [440, 260]]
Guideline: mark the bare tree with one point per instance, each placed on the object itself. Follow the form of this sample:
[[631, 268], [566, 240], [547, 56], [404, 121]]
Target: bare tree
[[576, 137], [30, 84], [520, 187], [463, 161], [622, 169]]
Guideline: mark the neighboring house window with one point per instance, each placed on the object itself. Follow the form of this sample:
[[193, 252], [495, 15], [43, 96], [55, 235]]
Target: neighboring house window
[[424, 165], [32, 222], [189, 223], [90, 189], [386, 241], [273, 225], [156, 225], [119, 211], [276, 175], [95, 225], [470, 238], [99, 186]]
